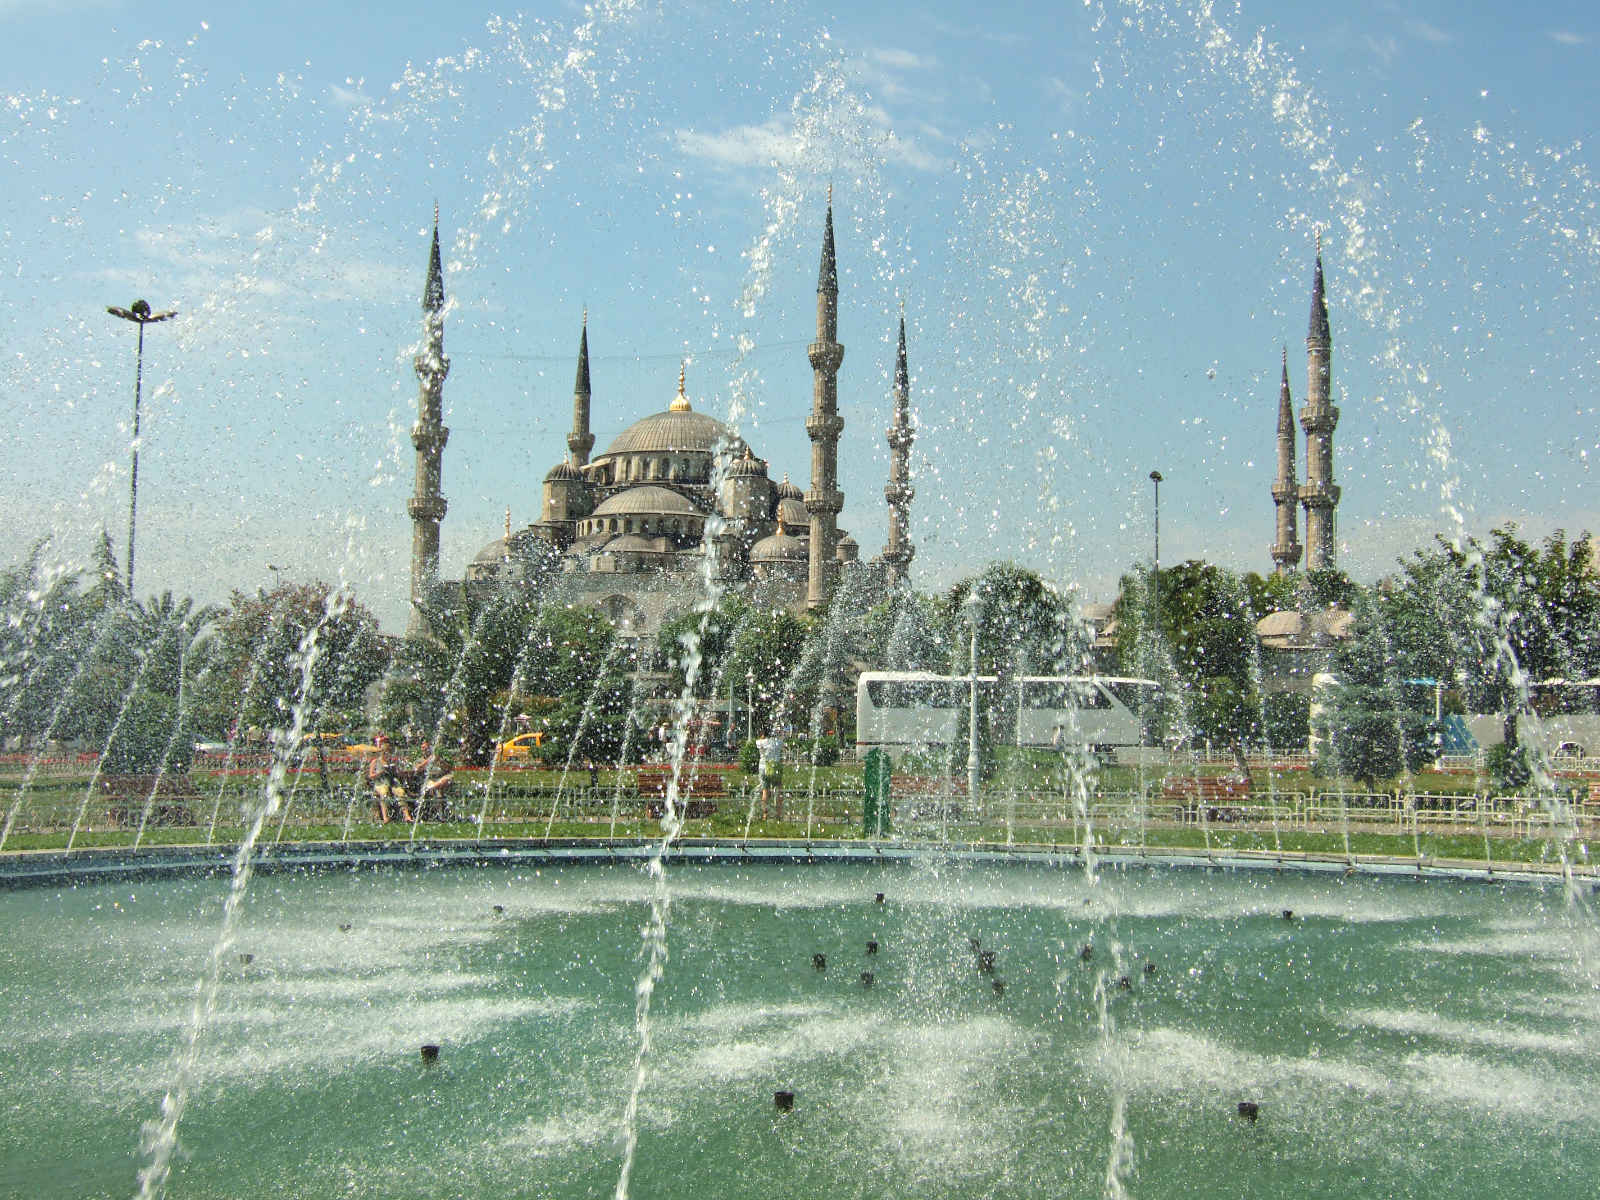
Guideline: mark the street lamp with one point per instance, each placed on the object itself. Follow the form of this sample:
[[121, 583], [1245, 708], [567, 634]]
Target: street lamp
[[139, 313], [974, 607], [749, 707], [1155, 570]]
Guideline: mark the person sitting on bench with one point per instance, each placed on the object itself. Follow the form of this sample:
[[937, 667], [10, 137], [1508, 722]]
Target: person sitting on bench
[[386, 781]]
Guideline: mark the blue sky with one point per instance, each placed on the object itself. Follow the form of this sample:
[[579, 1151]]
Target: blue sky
[[1100, 218]]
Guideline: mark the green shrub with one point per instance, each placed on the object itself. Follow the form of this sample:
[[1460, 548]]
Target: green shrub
[[1507, 766], [826, 752], [749, 757]]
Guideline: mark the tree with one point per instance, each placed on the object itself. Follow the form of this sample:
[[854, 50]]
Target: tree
[[263, 644], [903, 632], [764, 658], [1206, 655], [493, 655], [1492, 618], [1365, 730]]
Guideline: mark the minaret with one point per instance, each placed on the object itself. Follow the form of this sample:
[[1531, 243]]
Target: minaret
[[1286, 550], [824, 425], [580, 441], [427, 506], [897, 554], [1319, 495]]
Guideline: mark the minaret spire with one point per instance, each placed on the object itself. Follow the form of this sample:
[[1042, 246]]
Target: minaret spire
[[427, 504], [824, 500], [1320, 495], [897, 554], [1286, 550], [580, 441]]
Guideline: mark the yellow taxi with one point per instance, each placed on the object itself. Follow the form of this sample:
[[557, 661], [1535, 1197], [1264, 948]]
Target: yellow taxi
[[520, 747]]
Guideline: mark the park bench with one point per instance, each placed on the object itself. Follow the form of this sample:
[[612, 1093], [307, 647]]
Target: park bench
[[125, 797], [696, 789], [1208, 794]]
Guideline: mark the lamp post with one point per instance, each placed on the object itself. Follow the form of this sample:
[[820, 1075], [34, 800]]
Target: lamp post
[[974, 607], [1155, 568], [139, 313], [749, 707]]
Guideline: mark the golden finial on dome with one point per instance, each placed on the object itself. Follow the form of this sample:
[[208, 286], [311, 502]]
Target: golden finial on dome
[[680, 402], [508, 521]]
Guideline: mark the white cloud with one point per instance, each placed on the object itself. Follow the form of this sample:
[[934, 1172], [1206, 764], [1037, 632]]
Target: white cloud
[[1386, 49], [1423, 31], [349, 97], [903, 60], [968, 33], [775, 143], [1567, 37]]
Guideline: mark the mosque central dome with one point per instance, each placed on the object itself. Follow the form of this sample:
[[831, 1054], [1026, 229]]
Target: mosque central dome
[[674, 431]]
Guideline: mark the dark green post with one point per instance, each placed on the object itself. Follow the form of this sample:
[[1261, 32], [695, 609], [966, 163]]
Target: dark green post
[[875, 805]]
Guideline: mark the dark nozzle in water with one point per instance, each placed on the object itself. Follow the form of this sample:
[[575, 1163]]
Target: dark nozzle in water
[[866, 979], [783, 1101], [499, 909], [345, 928], [247, 959], [1124, 983], [975, 944], [819, 961], [1150, 968], [986, 961], [1249, 1110], [999, 987], [1288, 914], [1087, 952], [430, 1054], [878, 899], [872, 947]]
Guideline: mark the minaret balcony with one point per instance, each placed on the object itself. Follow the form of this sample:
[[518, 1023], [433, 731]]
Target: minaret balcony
[[824, 427], [427, 508], [823, 503], [899, 493], [427, 438], [825, 356], [1315, 421], [1285, 493], [1319, 495], [431, 367]]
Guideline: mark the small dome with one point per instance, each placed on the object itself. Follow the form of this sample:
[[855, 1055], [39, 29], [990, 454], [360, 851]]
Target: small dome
[[746, 465], [788, 491], [1292, 630], [1278, 625], [498, 551], [563, 470], [647, 500], [792, 512], [848, 550], [778, 547]]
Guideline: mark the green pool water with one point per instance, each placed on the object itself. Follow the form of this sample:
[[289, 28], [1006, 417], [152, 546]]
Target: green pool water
[[1400, 1039]]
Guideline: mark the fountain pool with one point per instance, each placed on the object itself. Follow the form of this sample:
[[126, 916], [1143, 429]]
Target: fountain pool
[[1399, 1039]]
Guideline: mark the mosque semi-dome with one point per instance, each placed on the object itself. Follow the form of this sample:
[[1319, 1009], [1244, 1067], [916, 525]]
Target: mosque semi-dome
[[563, 470], [647, 499]]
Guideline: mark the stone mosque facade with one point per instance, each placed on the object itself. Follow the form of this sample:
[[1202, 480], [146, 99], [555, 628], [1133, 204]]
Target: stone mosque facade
[[676, 498]]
